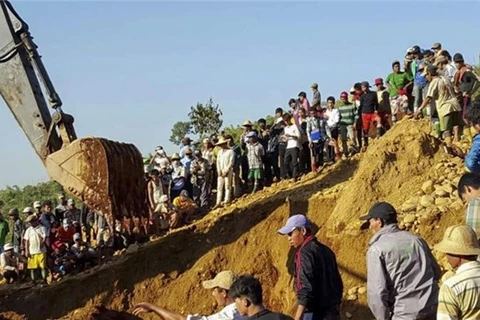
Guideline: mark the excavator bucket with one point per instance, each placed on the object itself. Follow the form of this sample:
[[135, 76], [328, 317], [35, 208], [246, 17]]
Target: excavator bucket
[[106, 175]]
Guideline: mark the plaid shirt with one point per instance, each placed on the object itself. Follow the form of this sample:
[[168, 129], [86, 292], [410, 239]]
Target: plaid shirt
[[473, 216], [255, 153]]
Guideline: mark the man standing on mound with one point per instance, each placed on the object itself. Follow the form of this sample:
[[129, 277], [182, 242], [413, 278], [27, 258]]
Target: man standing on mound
[[318, 284], [220, 286]]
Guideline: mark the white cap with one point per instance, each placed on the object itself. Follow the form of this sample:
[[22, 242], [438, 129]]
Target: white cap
[[66, 222], [28, 210], [77, 236], [70, 201], [8, 246], [37, 204]]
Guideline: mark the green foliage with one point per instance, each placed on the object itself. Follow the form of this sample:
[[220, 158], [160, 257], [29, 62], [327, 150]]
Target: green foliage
[[234, 131], [206, 119], [179, 131], [15, 197]]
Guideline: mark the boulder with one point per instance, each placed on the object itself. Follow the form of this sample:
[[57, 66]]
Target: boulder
[[352, 297], [442, 201], [362, 290], [352, 291], [440, 192], [427, 201], [427, 187], [409, 218]]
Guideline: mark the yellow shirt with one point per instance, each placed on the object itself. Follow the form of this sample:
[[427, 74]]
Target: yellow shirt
[[459, 296]]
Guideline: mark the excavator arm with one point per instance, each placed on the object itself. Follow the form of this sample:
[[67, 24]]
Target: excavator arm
[[106, 175]]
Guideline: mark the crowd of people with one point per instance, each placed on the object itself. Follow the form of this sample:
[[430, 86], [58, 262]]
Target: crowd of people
[[311, 134], [50, 240]]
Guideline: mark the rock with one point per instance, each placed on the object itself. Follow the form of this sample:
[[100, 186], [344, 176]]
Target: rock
[[451, 175], [448, 188], [427, 201], [409, 218], [440, 192], [438, 166], [408, 225], [352, 291], [427, 186], [441, 179], [408, 207], [442, 201], [174, 275], [352, 297], [362, 290]]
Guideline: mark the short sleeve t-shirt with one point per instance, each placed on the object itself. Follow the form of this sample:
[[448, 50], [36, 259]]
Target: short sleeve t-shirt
[[441, 90], [34, 235], [396, 81]]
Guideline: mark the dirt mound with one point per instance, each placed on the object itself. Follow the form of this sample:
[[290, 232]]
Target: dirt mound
[[407, 167]]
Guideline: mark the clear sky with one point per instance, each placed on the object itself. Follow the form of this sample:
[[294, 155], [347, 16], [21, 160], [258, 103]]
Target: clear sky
[[128, 70]]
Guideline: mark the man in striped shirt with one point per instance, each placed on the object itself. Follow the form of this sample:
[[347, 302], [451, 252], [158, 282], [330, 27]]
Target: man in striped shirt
[[347, 119], [459, 296], [469, 191]]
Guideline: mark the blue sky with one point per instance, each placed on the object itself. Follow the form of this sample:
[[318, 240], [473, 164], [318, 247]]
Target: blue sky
[[128, 70]]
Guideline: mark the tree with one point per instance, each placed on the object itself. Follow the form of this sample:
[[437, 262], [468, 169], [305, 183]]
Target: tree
[[206, 119], [179, 131], [15, 197]]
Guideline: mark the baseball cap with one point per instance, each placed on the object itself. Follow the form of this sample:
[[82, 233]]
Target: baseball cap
[[314, 85], [70, 201], [197, 152], [294, 222], [77, 236], [188, 151], [458, 57], [28, 210], [251, 134], [415, 49], [224, 280], [436, 45], [37, 204], [8, 246], [378, 81], [66, 222], [365, 84], [440, 59], [61, 196], [382, 210], [31, 218]]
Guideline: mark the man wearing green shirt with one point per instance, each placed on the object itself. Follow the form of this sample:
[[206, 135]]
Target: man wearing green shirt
[[397, 80], [4, 229]]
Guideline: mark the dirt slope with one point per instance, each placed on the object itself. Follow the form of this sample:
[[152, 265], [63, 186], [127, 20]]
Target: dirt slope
[[397, 168]]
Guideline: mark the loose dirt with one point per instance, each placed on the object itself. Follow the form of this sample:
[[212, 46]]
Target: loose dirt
[[407, 167]]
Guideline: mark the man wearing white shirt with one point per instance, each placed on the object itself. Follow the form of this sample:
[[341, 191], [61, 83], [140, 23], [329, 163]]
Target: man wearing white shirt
[[332, 115], [292, 134], [220, 285]]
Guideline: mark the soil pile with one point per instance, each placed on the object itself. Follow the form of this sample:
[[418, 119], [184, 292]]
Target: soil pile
[[407, 167]]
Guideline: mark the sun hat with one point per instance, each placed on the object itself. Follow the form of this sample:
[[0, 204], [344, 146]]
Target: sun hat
[[314, 85], [459, 240], [175, 156], [222, 140], [8, 246], [37, 204], [31, 218], [28, 210], [224, 280], [294, 222], [247, 123]]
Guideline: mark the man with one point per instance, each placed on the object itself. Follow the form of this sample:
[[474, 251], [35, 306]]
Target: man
[[61, 208], [356, 92], [459, 296], [75, 215], [179, 176], [384, 119], [187, 159], [37, 206], [292, 136], [159, 159], [225, 162], [186, 144], [185, 206], [368, 111], [441, 91], [472, 160], [469, 191], [247, 293], [264, 138], [220, 286], [35, 248], [201, 181], [11, 264], [317, 98], [18, 229], [318, 284], [316, 135], [247, 128], [465, 82], [397, 82], [402, 274], [155, 190], [347, 119], [4, 230], [450, 68], [332, 115], [255, 155], [437, 49], [65, 232], [278, 145], [419, 79]]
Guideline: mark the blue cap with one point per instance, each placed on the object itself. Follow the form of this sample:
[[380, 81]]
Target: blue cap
[[294, 222], [251, 134]]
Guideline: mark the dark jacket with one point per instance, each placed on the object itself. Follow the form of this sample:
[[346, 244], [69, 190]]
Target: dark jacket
[[368, 103], [317, 280]]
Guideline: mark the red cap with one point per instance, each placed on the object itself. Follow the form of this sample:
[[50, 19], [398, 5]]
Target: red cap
[[344, 94], [402, 92], [378, 81]]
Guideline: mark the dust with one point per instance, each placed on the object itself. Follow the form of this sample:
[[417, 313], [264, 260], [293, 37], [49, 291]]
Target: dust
[[406, 167]]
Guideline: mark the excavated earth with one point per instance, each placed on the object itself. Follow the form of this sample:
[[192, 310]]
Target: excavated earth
[[407, 167]]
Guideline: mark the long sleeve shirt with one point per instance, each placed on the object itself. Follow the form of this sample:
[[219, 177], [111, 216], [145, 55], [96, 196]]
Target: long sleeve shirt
[[293, 136], [472, 160], [333, 118], [368, 103], [317, 99], [225, 161], [402, 277], [9, 263]]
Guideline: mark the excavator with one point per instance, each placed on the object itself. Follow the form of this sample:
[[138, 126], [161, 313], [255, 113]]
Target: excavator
[[107, 176]]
